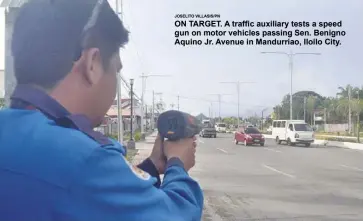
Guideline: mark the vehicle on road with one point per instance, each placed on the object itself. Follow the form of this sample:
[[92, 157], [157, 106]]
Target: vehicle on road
[[208, 130], [206, 122], [221, 127], [249, 136], [292, 132]]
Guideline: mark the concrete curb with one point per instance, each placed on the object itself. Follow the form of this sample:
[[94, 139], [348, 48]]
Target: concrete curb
[[349, 145]]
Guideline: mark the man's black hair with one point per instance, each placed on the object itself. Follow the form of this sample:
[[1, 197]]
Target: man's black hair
[[47, 38]]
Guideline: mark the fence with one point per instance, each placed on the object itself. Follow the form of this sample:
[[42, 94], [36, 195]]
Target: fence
[[112, 128], [332, 128]]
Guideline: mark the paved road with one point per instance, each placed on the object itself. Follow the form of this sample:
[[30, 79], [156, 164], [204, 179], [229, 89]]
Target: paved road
[[278, 182]]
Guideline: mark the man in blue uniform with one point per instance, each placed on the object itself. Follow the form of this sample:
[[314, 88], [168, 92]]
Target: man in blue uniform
[[53, 166]]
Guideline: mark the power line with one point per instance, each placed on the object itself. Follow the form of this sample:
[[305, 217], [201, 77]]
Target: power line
[[207, 100]]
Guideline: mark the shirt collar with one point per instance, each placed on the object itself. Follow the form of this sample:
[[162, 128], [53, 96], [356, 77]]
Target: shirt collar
[[26, 95]]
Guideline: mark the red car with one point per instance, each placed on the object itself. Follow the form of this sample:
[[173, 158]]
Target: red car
[[249, 136]]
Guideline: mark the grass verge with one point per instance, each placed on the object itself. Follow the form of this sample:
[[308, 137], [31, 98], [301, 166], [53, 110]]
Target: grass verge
[[351, 140], [338, 134]]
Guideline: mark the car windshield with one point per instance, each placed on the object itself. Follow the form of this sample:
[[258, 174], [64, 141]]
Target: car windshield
[[251, 130], [302, 127], [221, 125], [207, 125]]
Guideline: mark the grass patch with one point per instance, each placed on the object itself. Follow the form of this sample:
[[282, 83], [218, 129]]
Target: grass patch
[[131, 154], [339, 139], [345, 134]]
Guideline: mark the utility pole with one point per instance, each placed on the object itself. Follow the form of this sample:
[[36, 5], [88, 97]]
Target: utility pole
[[153, 110], [144, 78], [350, 110], [211, 109], [290, 55], [178, 101], [219, 103], [305, 109], [153, 113], [219, 107], [262, 118], [132, 110], [120, 128], [237, 83]]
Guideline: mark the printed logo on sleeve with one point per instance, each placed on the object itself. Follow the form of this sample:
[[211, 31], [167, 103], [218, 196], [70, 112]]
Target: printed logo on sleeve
[[137, 171]]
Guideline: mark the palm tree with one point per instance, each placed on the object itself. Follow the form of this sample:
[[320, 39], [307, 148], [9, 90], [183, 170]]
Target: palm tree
[[342, 107], [343, 92]]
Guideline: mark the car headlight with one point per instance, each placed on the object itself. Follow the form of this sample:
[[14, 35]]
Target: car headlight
[[296, 135]]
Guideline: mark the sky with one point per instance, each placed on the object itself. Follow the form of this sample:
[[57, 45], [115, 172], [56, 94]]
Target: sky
[[196, 71]]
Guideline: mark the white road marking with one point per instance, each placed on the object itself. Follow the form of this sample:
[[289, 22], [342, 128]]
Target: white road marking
[[200, 141], [352, 168], [277, 151], [222, 150], [278, 171]]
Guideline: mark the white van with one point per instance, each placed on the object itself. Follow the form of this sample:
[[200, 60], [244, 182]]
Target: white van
[[221, 127], [292, 132]]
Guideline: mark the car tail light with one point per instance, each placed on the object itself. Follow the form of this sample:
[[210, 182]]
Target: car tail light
[[296, 135]]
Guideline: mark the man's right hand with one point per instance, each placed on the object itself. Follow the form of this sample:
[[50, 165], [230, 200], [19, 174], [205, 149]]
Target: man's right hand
[[183, 149]]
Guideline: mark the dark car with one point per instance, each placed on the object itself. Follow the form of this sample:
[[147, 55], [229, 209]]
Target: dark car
[[249, 136], [208, 130]]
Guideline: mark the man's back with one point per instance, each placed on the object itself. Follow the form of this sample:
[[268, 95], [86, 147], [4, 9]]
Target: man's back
[[49, 172], [30, 153]]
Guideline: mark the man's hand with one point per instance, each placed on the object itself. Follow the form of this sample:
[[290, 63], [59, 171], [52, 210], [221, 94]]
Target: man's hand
[[183, 149], [157, 156]]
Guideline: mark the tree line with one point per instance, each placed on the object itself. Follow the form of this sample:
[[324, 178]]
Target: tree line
[[335, 110]]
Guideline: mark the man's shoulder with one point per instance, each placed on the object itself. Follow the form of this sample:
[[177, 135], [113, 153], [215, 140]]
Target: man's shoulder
[[37, 129], [37, 147]]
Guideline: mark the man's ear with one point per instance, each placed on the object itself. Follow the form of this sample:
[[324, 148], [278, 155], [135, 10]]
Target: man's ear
[[93, 66]]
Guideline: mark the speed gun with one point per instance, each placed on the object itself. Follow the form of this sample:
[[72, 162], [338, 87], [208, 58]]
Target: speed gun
[[175, 125]]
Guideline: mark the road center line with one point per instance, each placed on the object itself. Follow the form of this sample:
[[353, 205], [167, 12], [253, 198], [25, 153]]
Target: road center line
[[277, 151], [352, 168], [222, 150], [278, 171]]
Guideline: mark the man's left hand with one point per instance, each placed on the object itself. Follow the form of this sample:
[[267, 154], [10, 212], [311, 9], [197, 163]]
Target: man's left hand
[[157, 156]]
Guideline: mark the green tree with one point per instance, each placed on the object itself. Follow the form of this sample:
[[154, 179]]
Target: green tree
[[230, 120]]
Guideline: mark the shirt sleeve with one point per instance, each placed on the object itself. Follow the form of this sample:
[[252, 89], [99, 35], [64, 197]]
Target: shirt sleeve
[[109, 188], [149, 167]]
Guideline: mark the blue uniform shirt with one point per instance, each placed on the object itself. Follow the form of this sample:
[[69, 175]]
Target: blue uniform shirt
[[53, 166]]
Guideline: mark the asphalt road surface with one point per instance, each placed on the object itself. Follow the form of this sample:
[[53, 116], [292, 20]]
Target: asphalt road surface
[[278, 182]]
